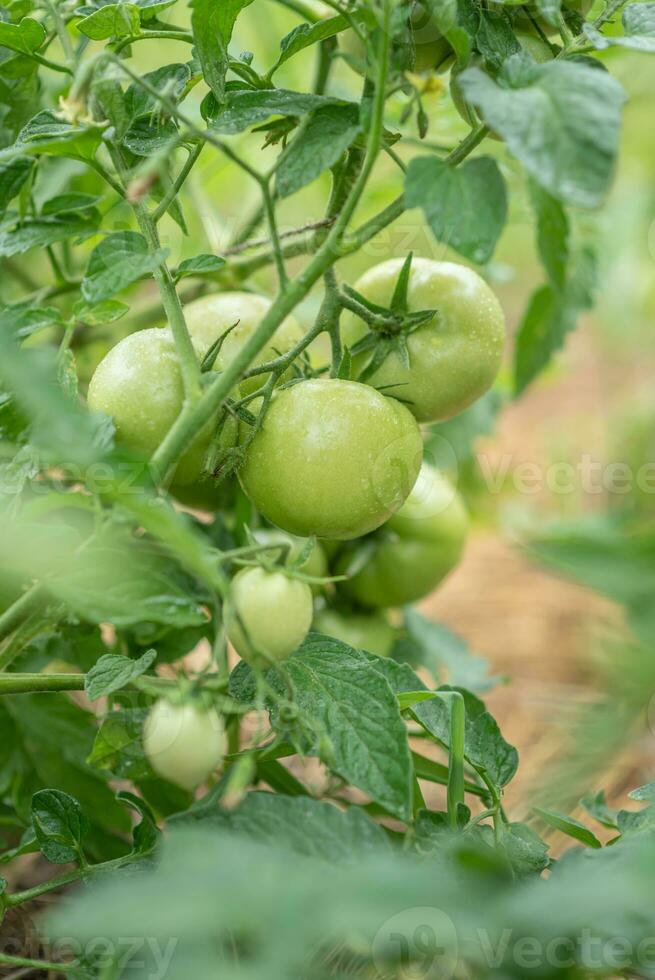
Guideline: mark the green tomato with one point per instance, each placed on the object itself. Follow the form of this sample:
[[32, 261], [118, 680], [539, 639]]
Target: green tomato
[[531, 43], [415, 550], [267, 615], [183, 742], [454, 359], [210, 316], [139, 384], [432, 52], [316, 564], [363, 631], [333, 459]]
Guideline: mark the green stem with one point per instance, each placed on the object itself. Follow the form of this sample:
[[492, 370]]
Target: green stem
[[54, 65], [189, 366], [18, 612], [612, 7], [176, 186], [456, 756], [269, 207], [29, 894], [41, 965], [62, 32], [40, 683]]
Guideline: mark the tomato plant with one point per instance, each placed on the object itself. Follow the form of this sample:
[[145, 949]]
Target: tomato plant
[[214, 739]]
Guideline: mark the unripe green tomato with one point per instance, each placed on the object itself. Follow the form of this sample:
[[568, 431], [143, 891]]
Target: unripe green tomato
[[416, 549], [530, 43], [210, 316], [183, 742], [316, 564], [139, 384], [333, 459], [432, 52], [454, 359], [267, 615], [362, 631]]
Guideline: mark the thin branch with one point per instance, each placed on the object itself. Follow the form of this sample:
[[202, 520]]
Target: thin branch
[[292, 233], [177, 184]]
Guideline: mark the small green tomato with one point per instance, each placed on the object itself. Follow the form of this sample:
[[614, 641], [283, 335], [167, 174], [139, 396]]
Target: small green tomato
[[267, 615], [183, 742]]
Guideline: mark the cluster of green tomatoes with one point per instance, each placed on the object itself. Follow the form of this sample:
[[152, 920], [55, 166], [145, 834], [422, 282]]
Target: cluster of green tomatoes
[[335, 460]]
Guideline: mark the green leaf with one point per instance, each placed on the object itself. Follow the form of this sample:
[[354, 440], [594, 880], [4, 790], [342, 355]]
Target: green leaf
[[552, 235], [569, 826], [25, 37], [50, 740], [59, 825], [212, 25], [95, 314], [644, 793], [144, 138], [596, 806], [618, 562], [118, 745], [145, 835], [200, 265], [495, 39], [172, 79], [320, 142], [118, 261], [305, 35], [18, 236], [560, 119], [13, 175], [23, 319], [47, 134], [465, 206], [114, 672], [113, 20], [550, 316], [67, 203], [123, 581], [639, 26], [60, 426], [484, 748], [244, 108], [310, 827], [360, 734]]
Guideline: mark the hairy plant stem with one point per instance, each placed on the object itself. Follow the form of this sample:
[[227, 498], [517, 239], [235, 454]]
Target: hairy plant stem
[[40, 683], [177, 184], [29, 894], [41, 965], [18, 612]]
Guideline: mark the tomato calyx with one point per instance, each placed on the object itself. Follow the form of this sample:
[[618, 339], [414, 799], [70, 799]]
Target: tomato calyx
[[389, 326]]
